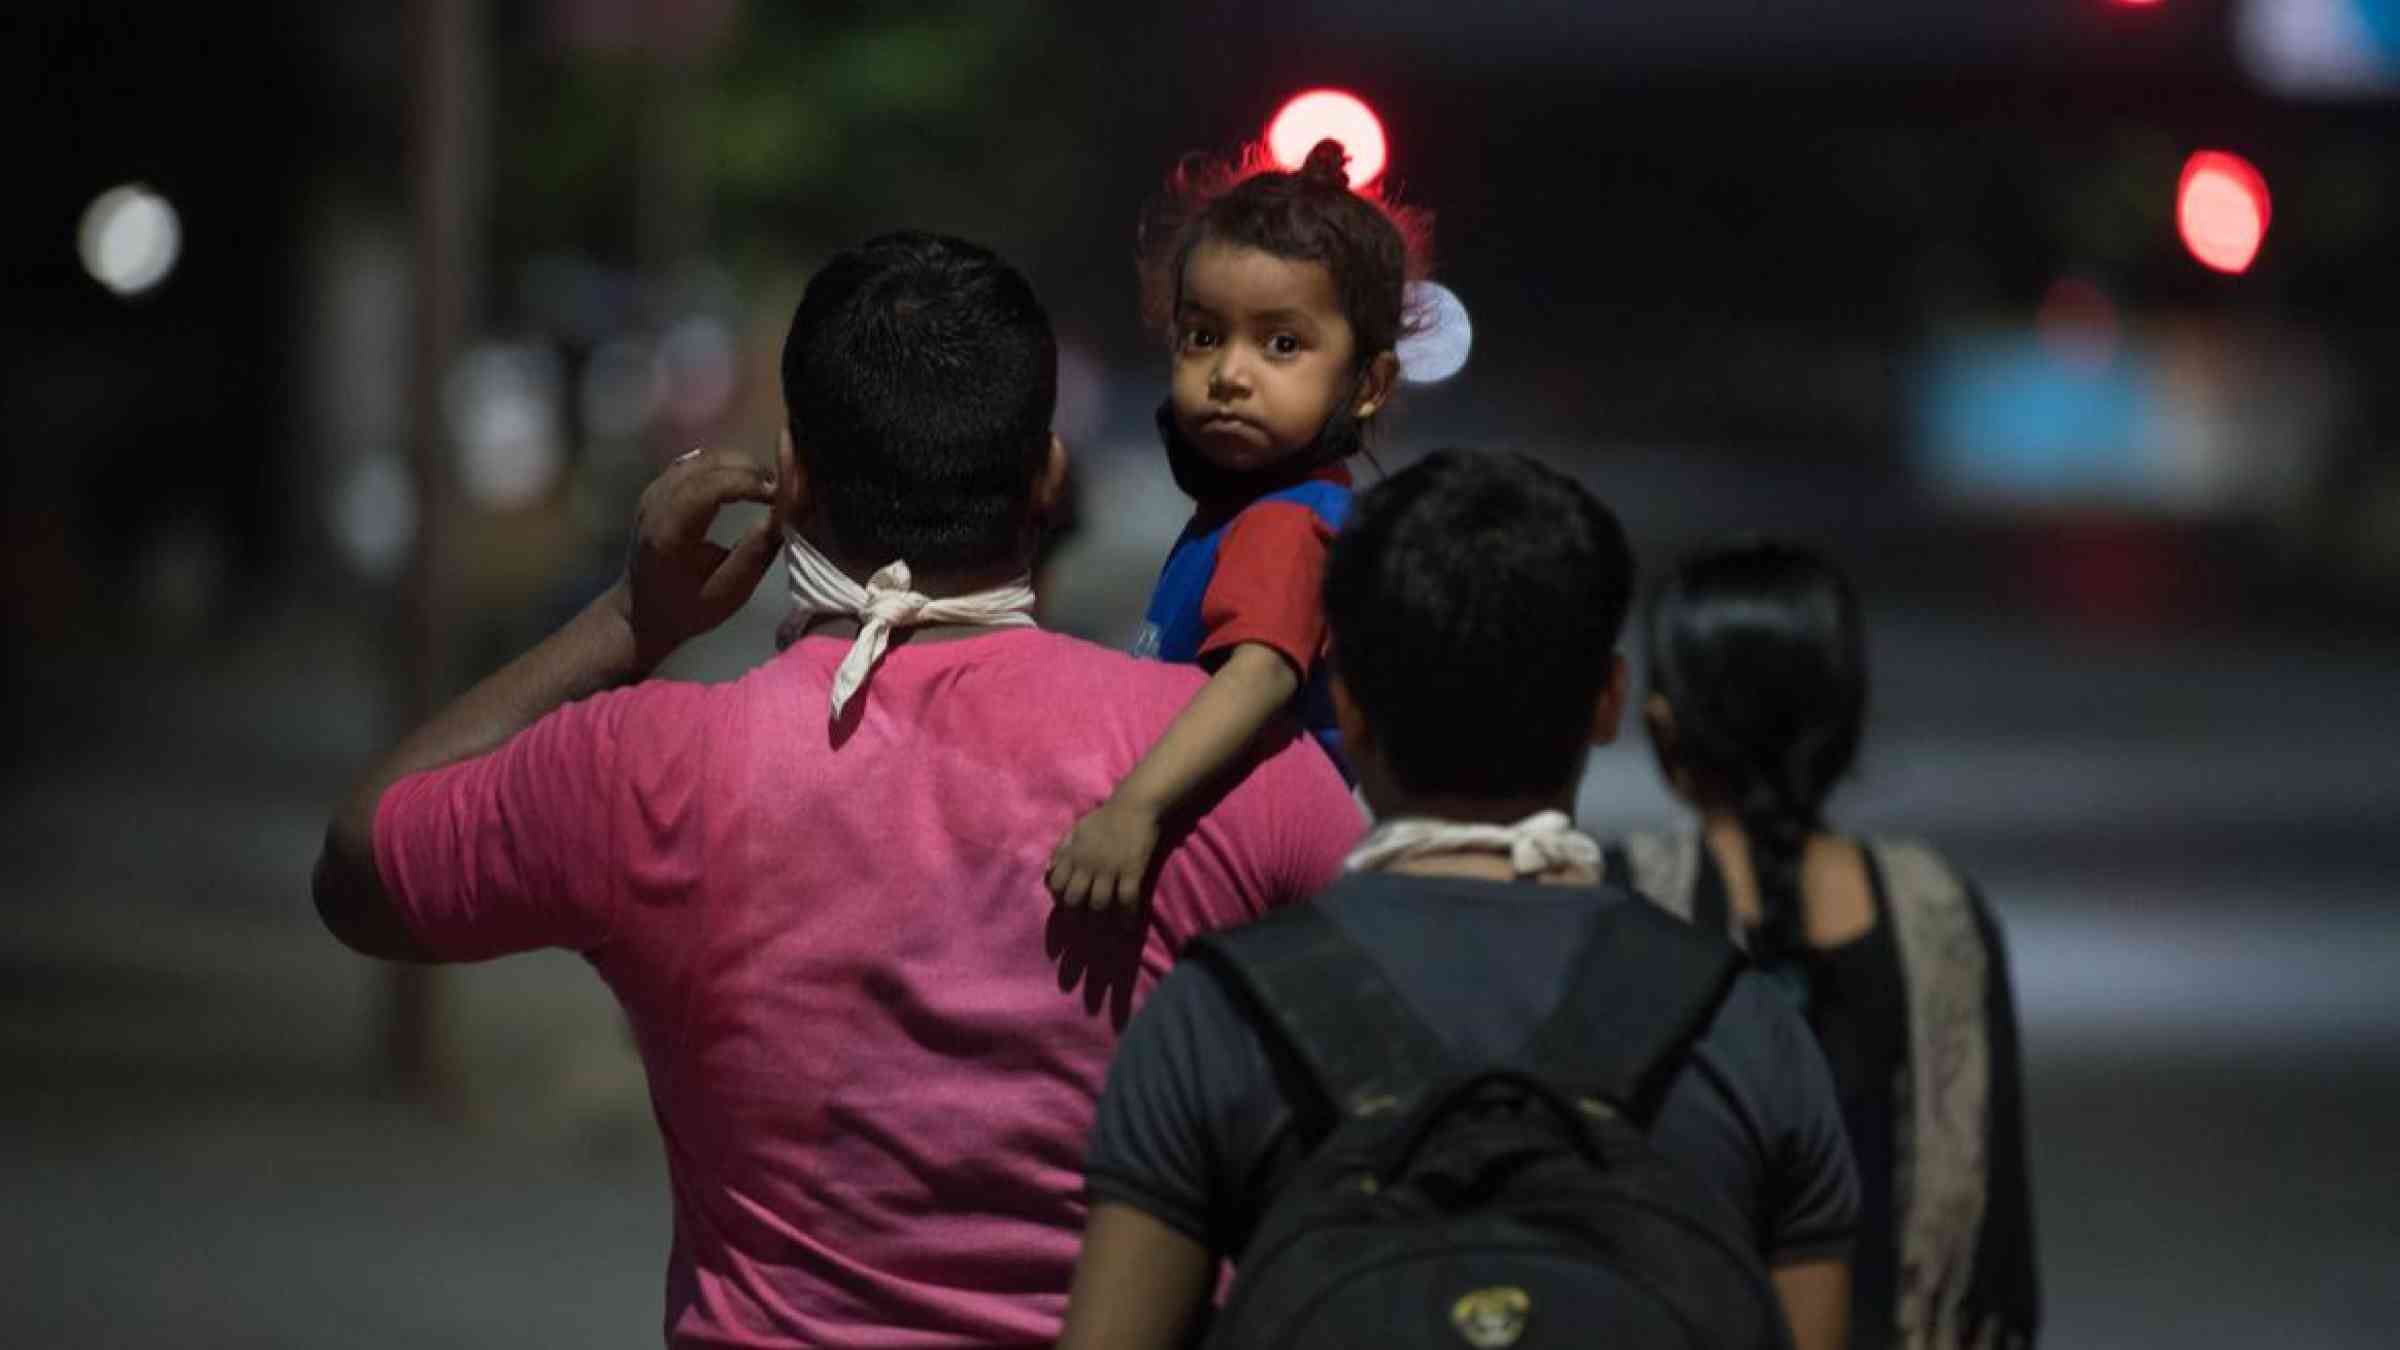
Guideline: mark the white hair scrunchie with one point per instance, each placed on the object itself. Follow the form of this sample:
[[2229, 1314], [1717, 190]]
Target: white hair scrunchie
[[887, 602], [1534, 845]]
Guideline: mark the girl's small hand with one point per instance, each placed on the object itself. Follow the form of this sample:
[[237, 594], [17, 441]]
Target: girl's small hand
[[1105, 858]]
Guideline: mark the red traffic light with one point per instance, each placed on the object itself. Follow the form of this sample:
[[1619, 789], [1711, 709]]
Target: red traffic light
[[2221, 210], [1319, 113]]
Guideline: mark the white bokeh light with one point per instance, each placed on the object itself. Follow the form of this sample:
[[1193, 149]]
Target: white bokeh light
[[623, 387], [503, 406], [1438, 349], [375, 515], [699, 361], [129, 239], [2315, 48]]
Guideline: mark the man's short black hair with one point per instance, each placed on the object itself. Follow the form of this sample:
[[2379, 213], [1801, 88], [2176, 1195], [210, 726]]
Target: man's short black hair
[[920, 375], [1475, 602]]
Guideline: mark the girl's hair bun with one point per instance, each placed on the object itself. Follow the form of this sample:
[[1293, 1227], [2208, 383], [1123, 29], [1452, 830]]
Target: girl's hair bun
[[1327, 165], [1372, 245]]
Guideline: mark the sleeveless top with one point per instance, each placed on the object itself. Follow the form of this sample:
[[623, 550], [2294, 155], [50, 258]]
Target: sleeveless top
[[1948, 1260]]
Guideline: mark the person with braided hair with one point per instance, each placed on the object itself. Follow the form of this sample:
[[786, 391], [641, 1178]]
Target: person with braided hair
[[1758, 684], [1284, 296]]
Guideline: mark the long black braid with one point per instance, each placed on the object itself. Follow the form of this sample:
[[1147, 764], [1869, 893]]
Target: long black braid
[[1758, 651]]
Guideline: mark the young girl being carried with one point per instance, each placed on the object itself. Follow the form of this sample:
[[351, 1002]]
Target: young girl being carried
[[1286, 298]]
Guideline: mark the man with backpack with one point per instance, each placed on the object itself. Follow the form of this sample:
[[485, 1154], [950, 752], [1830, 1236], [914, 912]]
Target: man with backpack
[[1472, 1092]]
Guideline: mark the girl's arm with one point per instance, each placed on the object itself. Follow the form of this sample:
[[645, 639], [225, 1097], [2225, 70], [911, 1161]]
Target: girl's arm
[[1107, 855]]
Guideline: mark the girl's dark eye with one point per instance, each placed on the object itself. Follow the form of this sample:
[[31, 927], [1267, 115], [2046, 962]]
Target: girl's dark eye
[[1198, 339], [1283, 344]]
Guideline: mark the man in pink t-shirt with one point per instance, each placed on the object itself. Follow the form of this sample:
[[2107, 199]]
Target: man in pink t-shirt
[[873, 1044]]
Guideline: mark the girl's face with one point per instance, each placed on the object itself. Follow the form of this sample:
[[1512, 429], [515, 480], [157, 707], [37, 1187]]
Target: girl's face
[[1262, 353]]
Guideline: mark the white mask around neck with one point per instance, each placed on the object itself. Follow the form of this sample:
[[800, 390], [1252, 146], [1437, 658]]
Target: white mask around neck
[[887, 602], [1534, 845]]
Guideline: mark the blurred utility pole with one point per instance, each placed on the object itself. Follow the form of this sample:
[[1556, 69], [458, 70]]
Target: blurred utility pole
[[670, 164], [670, 160], [443, 32]]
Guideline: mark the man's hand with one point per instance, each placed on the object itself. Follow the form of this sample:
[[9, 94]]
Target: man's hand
[[1105, 857], [678, 584]]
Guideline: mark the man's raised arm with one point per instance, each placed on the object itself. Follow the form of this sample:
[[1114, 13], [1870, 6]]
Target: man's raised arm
[[677, 585]]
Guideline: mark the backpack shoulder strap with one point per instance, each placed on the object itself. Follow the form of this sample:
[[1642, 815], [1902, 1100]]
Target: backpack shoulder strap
[[1306, 983], [1645, 987]]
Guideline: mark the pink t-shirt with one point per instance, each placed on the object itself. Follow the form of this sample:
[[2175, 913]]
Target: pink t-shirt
[[873, 1043]]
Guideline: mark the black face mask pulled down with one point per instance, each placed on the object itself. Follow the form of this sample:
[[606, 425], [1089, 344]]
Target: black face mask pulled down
[[1210, 485]]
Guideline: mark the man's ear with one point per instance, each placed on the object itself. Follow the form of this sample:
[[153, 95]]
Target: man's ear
[[1375, 389], [789, 482], [1052, 484], [1356, 738], [1609, 713]]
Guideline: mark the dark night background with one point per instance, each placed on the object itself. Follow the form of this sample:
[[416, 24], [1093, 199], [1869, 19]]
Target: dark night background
[[1902, 279]]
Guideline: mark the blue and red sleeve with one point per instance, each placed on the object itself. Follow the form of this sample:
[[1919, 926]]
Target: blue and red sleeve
[[1268, 586]]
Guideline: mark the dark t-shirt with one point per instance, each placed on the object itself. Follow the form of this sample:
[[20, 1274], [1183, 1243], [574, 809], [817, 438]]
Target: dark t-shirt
[[1197, 1125]]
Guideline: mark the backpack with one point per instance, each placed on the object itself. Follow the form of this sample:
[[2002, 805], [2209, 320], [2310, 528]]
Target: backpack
[[1491, 1206]]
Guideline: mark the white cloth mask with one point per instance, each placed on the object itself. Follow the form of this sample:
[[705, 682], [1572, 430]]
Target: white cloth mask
[[1536, 844], [886, 602]]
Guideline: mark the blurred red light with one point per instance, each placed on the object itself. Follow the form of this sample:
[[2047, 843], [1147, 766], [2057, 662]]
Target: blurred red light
[[1319, 113], [2221, 210]]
